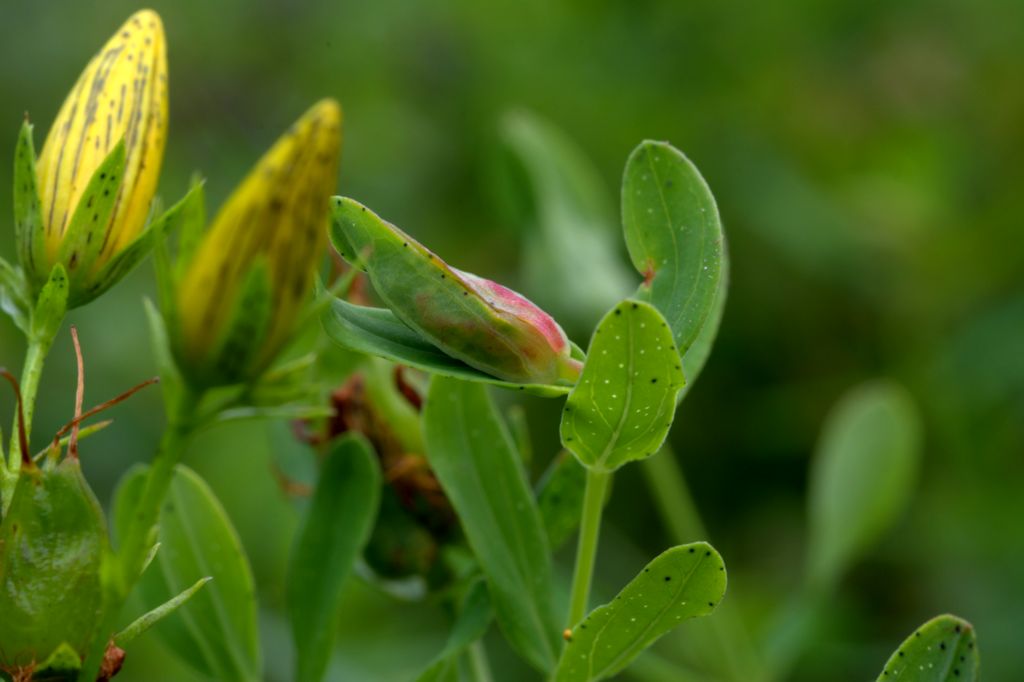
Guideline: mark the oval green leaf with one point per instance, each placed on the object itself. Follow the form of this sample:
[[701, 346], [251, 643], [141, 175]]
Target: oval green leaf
[[682, 583], [332, 537], [623, 405], [215, 632], [862, 476], [942, 650], [674, 236], [472, 454]]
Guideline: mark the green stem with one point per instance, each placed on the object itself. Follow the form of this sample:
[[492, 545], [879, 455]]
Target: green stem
[[478, 662], [131, 557], [679, 513], [32, 371], [586, 550]]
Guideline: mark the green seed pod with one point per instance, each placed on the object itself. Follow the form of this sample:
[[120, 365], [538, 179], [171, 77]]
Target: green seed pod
[[53, 541], [475, 320]]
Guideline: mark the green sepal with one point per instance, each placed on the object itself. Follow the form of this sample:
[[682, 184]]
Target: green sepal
[[234, 357], [89, 228], [29, 230], [128, 258], [53, 541], [51, 306], [942, 650], [14, 296], [684, 582]]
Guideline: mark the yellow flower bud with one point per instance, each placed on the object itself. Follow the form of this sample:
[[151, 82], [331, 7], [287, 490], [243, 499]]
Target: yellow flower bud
[[120, 97], [274, 225]]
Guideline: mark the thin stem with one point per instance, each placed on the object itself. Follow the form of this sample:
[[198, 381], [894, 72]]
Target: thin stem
[[131, 557], [679, 513], [32, 370], [586, 550], [478, 663]]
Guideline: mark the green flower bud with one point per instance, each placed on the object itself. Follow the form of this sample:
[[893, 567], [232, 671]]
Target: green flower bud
[[480, 322]]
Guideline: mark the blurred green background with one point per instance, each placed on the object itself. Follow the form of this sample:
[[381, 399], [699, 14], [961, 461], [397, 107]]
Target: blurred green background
[[867, 158]]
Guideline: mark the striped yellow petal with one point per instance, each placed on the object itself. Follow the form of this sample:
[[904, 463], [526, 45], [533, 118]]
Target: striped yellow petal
[[121, 95], [277, 216]]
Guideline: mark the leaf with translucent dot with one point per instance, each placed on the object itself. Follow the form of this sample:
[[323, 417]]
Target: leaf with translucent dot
[[942, 650], [674, 236], [622, 407], [684, 582], [696, 356]]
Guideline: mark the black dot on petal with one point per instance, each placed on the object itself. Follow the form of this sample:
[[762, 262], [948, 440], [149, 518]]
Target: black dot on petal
[[692, 550], [654, 380], [901, 654], [668, 578], [942, 645], [635, 306], [707, 553], [711, 604]]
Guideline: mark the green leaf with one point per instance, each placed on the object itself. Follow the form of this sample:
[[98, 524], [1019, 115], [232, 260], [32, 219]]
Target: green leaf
[[942, 650], [472, 454], [171, 381], [134, 253], [474, 617], [572, 259], [674, 236], [682, 583], [14, 297], [51, 305], [29, 229], [376, 331], [151, 618], [696, 356], [560, 498], [192, 220], [622, 407], [332, 537], [862, 476], [216, 633]]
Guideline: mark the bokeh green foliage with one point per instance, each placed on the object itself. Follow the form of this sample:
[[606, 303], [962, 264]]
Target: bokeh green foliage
[[863, 156]]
